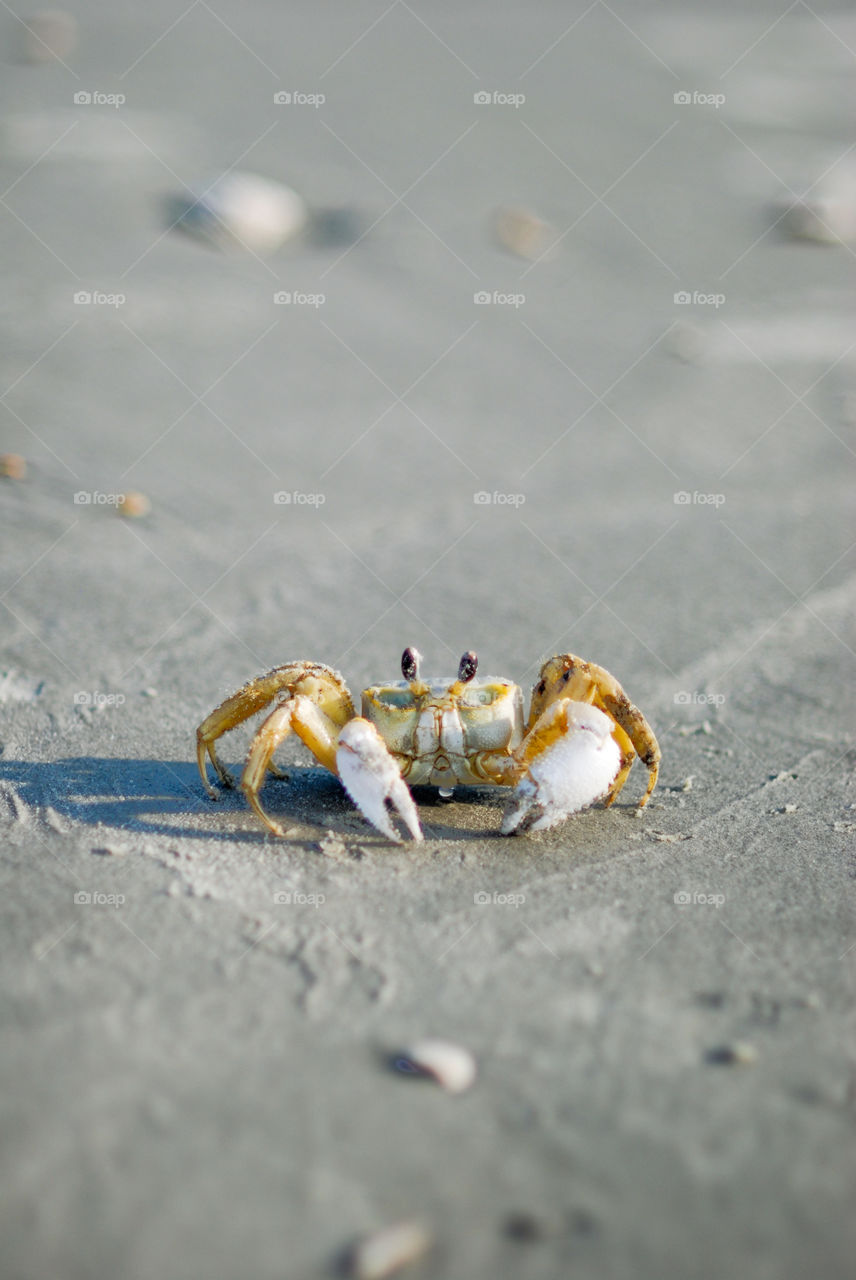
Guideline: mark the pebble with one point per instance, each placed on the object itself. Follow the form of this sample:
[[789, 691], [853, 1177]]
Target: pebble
[[134, 505], [450, 1065], [245, 209], [13, 466], [389, 1250]]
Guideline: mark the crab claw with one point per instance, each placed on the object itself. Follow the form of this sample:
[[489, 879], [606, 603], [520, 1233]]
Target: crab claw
[[577, 769], [371, 777]]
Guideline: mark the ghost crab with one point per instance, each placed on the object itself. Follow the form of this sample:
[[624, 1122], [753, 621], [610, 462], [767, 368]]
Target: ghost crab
[[576, 746]]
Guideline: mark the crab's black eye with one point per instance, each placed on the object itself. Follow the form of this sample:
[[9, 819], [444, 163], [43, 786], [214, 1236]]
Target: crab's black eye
[[566, 677], [410, 660], [542, 687], [468, 667]]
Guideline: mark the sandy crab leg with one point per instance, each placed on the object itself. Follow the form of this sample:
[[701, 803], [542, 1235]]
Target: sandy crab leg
[[572, 760], [327, 685], [315, 729], [370, 776]]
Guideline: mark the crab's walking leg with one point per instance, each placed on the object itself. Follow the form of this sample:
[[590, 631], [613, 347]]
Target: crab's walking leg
[[314, 728], [571, 759], [371, 777], [325, 685]]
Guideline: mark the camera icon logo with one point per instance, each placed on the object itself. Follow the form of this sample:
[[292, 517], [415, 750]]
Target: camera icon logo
[[282, 898], [681, 98], [482, 498], [683, 899], [283, 298], [82, 698], [82, 898], [481, 899], [82, 499], [282, 499], [282, 98], [482, 297], [682, 298], [481, 99], [82, 298], [82, 98], [682, 498]]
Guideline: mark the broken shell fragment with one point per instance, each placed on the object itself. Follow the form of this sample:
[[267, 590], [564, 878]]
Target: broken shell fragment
[[523, 232], [134, 505], [450, 1065], [13, 466], [243, 209], [388, 1250]]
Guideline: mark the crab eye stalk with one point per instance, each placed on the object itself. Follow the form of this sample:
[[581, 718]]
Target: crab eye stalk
[[468, 667], [410, 663]]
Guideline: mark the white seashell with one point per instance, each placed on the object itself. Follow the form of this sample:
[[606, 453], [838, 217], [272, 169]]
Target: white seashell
[[244, 209], [388, 1250], [523, 233], [451, 1066]]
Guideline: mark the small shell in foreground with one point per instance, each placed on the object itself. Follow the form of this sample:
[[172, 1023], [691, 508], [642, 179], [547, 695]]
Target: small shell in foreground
[[386, 1251], [449, 1064], [244, 209]]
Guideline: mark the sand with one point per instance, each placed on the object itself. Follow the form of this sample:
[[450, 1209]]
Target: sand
[[196, 1054]]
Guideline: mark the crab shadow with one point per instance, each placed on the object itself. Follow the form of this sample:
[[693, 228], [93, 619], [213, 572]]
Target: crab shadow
[[157, 797]]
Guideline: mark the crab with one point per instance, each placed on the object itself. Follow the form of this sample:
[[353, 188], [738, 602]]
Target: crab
[[577, 745]]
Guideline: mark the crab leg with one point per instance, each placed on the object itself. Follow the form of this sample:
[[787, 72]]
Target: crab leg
[[572, 760], [371, 777], [311, 725], [313, 678]]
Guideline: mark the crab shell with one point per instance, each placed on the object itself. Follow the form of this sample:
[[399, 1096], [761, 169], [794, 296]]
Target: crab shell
[[436, 739]]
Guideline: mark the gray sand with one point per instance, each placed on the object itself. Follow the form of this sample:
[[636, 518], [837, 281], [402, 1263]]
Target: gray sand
[[195, 1075]]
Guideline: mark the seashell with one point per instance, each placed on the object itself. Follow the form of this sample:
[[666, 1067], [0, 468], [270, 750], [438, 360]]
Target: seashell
[[738, 1054], [134, 505], [13, 466], [388, 1250], [522, 232], [451, 1066], [243, 209]]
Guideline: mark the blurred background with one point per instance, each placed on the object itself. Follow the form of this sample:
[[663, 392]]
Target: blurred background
[[537, 335]]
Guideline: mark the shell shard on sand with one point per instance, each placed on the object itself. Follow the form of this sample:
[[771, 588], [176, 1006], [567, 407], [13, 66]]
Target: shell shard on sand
[[242, 209], [449, 1064], [385, 1252]]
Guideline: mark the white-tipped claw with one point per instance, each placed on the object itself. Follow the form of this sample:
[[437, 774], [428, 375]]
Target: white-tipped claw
[[576, 770], [371, 777]]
